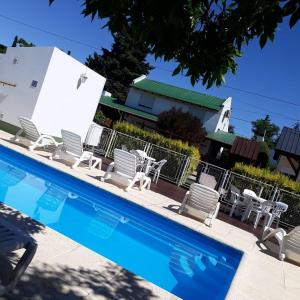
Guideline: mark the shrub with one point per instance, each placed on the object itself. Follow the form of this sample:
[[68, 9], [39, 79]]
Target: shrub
[[159, 140], [268, 176], [183, 125]]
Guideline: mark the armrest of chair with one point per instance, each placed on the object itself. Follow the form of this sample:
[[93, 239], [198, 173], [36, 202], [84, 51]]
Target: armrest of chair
[[270, 232]]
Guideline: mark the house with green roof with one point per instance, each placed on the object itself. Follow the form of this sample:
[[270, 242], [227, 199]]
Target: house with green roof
[[148, 98]]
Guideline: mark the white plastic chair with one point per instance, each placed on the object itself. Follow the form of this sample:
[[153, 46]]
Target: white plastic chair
[[278, 209], [237, 201], [250, 197], [124, 171], [263, 211], [201, 202], [156, 168], [71, 149], [289, 243], [207, 180], [33, 138]]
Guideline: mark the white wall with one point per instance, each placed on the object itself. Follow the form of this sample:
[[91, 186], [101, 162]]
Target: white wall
[[223, 123], [284, 166], [212, 120], [31, 64], [64, 101]]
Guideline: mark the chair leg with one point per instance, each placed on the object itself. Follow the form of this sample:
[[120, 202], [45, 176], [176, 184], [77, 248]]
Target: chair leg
[[76, 164], [257, 219], [232, 209], [35, 144]]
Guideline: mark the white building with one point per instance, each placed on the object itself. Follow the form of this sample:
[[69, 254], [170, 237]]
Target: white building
[[50, 87], [148, 98], [287, 153]]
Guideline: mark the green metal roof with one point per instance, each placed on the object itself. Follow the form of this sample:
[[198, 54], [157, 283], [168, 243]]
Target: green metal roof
[[177, 93], [222, 137], [112, 102]]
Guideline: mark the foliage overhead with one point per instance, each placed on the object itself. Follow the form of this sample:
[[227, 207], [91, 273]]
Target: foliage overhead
[[183, 125], [204, 37], [120, 65], [264, 127]]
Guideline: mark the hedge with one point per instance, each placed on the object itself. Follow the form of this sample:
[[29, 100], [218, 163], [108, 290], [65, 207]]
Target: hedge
[[267, 176], [157, 139]]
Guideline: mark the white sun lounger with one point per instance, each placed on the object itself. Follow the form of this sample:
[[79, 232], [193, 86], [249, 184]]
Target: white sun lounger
[[123, 171], [289, 243], [202, 202], [32, 137], [71, 149], [11, 239]]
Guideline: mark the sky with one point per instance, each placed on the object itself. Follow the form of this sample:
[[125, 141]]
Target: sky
[[273, 72]]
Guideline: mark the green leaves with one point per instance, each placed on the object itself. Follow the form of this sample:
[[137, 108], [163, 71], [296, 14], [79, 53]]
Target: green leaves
[[204, 37], [120, 65]]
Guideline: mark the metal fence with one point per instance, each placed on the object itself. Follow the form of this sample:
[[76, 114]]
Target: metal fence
[[291, 217], [183, 170], [196, 167]]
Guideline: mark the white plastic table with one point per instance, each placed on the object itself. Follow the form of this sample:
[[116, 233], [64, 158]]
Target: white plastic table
[[148, 160], [252, 197]]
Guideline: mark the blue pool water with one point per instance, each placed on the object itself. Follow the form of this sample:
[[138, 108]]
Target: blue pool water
[[186, 263]]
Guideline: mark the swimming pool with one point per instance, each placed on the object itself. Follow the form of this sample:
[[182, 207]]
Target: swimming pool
[[179, 260]]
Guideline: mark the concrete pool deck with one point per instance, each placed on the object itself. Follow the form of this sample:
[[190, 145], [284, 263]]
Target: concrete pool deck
[[63, 269]]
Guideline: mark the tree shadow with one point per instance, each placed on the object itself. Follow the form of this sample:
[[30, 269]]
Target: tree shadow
[[62, 282], [19, 220]]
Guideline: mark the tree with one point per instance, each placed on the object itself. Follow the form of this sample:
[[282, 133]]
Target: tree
[[266, 129], [181, 125], [125, 62], [20, 42], [231, 129], [204, 37]]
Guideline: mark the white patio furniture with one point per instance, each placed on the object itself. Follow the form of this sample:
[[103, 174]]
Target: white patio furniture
[[144, 161], [254, 203], [124, 171], [289, 243], [278, 209], [237, 201], [32, 137], [202, 202], [156, 168], [71, 149], [12, 239], [262, 211], [207, 180]]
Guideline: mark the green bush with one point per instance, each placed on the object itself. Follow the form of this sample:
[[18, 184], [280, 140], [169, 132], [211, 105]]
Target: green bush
[[268, 176], [157, 139], [174, 161]]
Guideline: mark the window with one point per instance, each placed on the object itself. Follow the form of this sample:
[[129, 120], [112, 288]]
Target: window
[[147, 100]]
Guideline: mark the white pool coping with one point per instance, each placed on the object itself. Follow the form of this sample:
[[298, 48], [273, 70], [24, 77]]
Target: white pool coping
[[259, 275]]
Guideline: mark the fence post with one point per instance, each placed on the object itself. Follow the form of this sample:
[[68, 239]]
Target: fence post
[[186, 163], [274, 194], [225, 175], [110, 142], [260, 192], [147, 147]]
